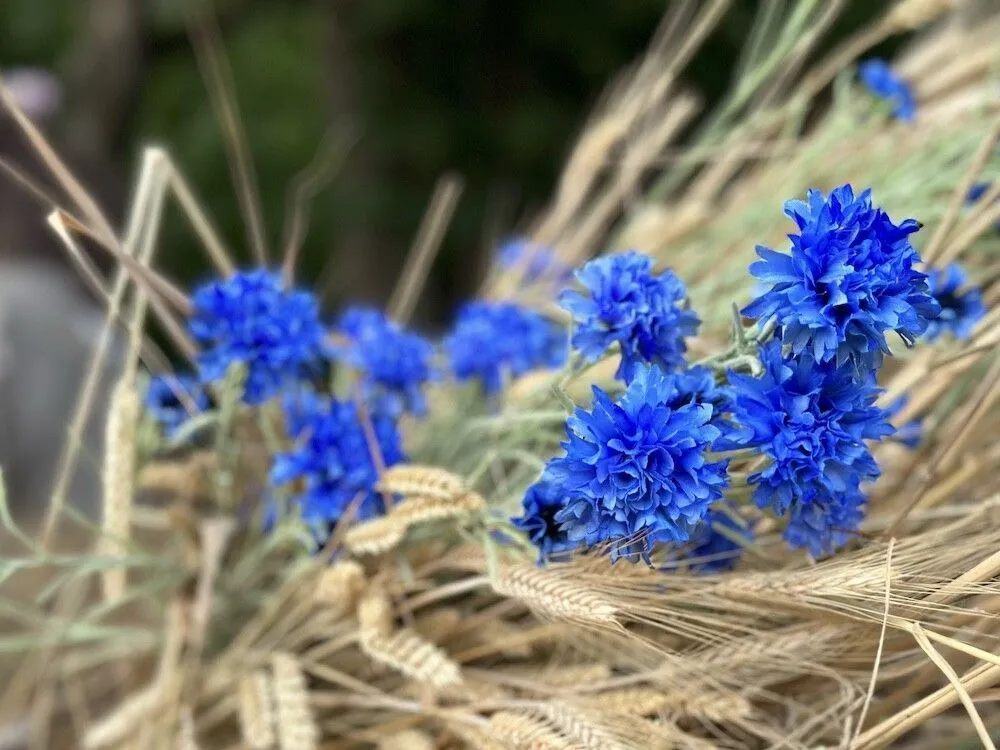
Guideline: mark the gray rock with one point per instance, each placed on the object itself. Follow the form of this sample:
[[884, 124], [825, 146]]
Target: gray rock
[[48, 331]]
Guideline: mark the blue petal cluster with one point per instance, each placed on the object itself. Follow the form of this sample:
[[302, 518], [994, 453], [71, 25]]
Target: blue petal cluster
[[849, 279], [626, 303], [636, 471], [252, 319], [332, 458], [713, 552], [394, 364], [492, 341], [811, 419], [961, 305], [534, 262], [538, 519], [171, 398], [879, 78]]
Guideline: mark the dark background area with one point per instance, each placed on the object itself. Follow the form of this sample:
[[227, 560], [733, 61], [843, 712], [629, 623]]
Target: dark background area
[[493, 91]]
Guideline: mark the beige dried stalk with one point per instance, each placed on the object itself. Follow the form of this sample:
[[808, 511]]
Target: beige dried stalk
[[297, 729], [416, 510], [552, 595], [912, 14], [257, 711], [374, 614], [118, 477], [125, 719], [422, 481]]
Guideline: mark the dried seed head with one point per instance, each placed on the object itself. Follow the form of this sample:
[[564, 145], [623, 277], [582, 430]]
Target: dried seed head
[[374, 537], [422, 481], [375, 613], [297, 728], [339, 586], [522, 732], [411, 655], [417, 510], [912, 14], [410, 739], [256, 711], [552, 595], [118, 477]]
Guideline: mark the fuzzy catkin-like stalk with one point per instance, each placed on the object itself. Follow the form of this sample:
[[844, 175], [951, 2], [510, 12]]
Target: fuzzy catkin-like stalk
[[297, 728], [422, 481], [410, 739], [118, 477], [256, 711], [339, 587]]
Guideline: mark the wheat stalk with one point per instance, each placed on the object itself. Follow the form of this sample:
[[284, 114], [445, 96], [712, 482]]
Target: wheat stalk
[[374, 614], [552, 595], [421, 481], [256, 711], [912, 14], [297, 729], [118, 477], [125, 719], [575, 723], [417, 510]]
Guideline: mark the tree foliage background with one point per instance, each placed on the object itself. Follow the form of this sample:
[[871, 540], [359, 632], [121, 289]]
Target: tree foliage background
[[492, 91]]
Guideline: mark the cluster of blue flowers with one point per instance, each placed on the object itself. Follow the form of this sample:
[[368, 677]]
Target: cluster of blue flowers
[[276, 334], [879, 78], [648, 464], [651, 466]]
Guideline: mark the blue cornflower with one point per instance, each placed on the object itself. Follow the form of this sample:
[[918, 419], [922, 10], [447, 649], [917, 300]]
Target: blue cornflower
[[635, 471], [534, 262], [332, 458], [252, 319], [811, 419], [849, 279], [821, 523], [625, 302], [171, 398], [887, 84], [960, 310], [538, 520], [712, 551], [395, 364], [492, 341]]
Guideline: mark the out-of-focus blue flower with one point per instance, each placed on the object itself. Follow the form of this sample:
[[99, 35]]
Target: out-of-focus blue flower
[[332, 457], [850, 278], [712, 551], [252, 319], [635, 472], [885, 83], [909, 434], [961, 305], [395, 364], [533, 262], [492, 341], [172, 399], [538, 520], [821, 522], [626, 303], [811, 420]]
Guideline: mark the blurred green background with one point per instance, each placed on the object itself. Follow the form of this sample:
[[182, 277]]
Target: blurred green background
[[493, 91]]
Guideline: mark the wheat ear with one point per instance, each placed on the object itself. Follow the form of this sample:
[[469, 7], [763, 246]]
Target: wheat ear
[[374, 614], [552, 595], [417, 510], [339, 587], [297, 728], [118, 477], [421, 481], [575, 723], [521, 732], [121, 722], [374, 537], [411, 655], [411, 739], [256, 711]]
